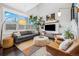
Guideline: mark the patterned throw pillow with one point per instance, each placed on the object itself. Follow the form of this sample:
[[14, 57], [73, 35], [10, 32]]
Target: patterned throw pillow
[[17, 34], [65, 44]]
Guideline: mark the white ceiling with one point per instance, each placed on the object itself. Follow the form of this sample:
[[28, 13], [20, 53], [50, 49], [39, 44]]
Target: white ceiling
[[24, 7]]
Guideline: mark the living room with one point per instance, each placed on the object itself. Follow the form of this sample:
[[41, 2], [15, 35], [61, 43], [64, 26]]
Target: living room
[[39, 29]]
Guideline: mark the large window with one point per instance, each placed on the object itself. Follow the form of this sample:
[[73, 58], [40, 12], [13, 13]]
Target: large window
[[12, 21], [10, 26], [10, 17]]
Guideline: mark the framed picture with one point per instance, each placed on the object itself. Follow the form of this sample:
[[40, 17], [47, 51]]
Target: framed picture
[[50, 17], [53, 16], [47, 17]]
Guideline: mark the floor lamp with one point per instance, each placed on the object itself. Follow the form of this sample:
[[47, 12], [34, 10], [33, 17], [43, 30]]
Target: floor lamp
[[2, 25], [20, 22]]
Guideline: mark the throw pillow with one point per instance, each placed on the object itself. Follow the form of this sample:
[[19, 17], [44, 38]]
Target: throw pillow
[[65, 44], [17, 34]]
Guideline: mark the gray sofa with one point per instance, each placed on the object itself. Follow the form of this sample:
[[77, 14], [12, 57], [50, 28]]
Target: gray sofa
[[25, 35]]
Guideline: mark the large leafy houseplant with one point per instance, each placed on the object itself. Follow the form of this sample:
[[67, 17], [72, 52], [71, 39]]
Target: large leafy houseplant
[[36, 21], [68, 34]]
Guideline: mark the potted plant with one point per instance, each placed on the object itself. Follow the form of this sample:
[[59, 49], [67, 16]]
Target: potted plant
[[68, 35], [36, 22]]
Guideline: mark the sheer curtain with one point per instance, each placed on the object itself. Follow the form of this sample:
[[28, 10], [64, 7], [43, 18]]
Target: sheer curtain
[[74, 28]]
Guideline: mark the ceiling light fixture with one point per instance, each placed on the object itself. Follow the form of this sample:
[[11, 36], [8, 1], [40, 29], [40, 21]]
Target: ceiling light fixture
[[59, 13]]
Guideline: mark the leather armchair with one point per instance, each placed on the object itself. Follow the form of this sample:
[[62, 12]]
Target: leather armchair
[[73, 50]]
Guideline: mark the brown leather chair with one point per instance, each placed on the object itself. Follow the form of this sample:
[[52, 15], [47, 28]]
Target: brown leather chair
[[73, 50]]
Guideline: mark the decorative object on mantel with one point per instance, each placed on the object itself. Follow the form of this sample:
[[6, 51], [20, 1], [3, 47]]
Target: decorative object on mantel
[[37, 22], [51, 17], [47, 17]]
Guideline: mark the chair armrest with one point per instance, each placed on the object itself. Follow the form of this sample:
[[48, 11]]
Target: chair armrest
[[56, 51]]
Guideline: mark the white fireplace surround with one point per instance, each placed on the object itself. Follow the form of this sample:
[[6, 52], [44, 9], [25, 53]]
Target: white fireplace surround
[[50, 23]]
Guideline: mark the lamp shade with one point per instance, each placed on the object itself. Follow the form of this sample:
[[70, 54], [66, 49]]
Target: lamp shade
[[59, 13], [22, 22]]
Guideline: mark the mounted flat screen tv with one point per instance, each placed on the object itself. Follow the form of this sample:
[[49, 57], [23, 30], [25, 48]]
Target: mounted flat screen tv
[[51, 27]]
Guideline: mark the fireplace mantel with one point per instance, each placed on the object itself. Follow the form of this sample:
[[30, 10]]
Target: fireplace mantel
[[54, 21], [51, 22]]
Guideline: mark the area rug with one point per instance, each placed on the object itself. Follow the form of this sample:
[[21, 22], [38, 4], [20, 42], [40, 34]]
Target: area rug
[[29, 49], [35, 51], [41, 52]]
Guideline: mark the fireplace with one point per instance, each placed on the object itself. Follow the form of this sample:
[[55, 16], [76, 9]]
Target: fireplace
[[52, 27]]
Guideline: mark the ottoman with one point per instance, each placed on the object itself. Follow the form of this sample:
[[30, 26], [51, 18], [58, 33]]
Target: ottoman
[[40, 40], [7, 42]]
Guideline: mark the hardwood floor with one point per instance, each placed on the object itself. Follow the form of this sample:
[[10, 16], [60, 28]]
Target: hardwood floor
[[25, 48], [1, 51], [13, 51], [16, 50]]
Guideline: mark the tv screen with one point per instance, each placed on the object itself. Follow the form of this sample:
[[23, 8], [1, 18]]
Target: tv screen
[[50, 27]]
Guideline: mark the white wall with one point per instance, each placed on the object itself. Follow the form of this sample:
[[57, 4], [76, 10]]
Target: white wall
[[44, 9]]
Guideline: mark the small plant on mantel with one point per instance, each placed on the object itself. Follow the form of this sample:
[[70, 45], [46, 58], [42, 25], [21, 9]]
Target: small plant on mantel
[[36, 21], [68, 34]]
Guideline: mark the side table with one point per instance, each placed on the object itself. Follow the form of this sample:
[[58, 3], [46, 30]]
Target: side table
[[7, 42]]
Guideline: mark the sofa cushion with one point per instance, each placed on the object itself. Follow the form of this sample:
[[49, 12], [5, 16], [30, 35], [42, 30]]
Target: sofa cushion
[[17, 34], [25, 36], [26, 32]]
